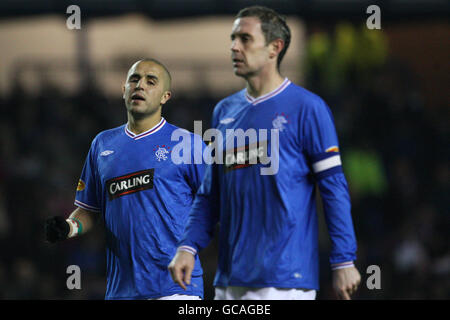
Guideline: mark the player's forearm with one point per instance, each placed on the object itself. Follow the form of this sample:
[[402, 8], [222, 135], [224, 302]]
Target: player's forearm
[[81, 221], [337, 209]]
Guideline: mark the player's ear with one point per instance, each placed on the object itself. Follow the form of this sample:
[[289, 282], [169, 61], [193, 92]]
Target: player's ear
[[166, 96], [123, 91], [275, 48]]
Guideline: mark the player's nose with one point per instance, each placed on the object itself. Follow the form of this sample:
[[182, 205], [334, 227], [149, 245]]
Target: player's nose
[[140, 84], [234, 46]]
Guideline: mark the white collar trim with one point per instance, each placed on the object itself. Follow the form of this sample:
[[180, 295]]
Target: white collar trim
[[150, 131], [269, 95]]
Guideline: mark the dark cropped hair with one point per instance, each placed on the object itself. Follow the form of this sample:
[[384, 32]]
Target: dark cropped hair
[[273, 26]]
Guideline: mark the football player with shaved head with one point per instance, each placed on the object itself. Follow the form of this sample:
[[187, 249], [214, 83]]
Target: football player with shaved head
[[129, 181], [268, 241]]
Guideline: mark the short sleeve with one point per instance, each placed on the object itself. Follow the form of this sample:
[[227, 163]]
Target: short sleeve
[[88, 189]]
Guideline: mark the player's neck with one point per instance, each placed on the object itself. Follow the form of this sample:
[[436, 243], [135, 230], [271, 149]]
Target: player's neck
[[263, 83], [138, 126]]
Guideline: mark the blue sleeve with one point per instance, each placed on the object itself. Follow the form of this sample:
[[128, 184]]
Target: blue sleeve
[[204, 213], [205, 210], [322, 150], [196, 170], [320, 142], [337, 209], [88, 189]]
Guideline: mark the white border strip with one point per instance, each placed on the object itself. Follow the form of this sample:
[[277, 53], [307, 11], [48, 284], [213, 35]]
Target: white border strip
[[86, 206], [326, 164], [152, 130], [187, 249], [269, 95], [155, 129]]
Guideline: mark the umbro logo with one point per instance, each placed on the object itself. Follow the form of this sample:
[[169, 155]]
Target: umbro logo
[[106, 153], [227, 120]]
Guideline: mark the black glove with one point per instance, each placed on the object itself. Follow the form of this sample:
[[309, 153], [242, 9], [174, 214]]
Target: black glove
[[56, 229]]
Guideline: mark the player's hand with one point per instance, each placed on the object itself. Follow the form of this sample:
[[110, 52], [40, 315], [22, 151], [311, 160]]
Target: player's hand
[[56, 229], [181, 268], [346, 282]]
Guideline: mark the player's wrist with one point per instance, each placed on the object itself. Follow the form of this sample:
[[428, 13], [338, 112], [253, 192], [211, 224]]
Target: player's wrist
[[76, 227], [189, 249], [342, 265]]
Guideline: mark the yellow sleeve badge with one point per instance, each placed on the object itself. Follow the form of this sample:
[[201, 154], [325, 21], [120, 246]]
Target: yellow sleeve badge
[[81, 185], [332, 149]]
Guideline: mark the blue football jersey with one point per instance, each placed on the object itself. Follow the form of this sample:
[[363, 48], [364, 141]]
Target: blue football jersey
[[268, 221], [145, 200]]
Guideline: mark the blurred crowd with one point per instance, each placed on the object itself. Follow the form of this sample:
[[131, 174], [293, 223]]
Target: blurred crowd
[[395, 156], [396, 159]]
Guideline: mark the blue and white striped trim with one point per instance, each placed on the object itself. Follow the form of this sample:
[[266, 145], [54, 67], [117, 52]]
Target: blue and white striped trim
[[269, 95], [342, 265], [146, 133], [326, 164], [187, 249], [86, 206]]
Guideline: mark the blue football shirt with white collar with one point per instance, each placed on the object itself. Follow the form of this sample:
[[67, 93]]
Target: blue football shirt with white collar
[[268, 222], [145, 199]]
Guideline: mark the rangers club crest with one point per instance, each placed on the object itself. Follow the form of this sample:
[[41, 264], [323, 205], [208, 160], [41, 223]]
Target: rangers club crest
[[160, 152], [279, 122]]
